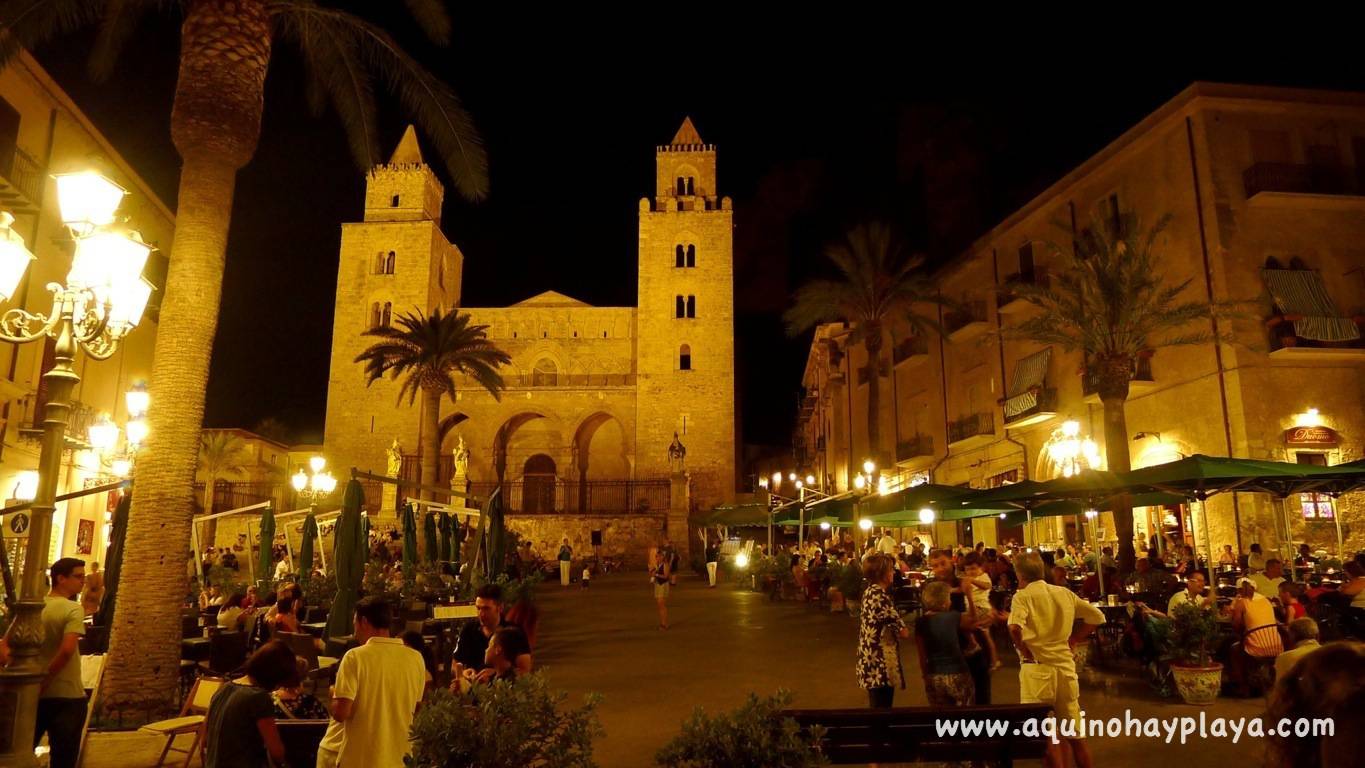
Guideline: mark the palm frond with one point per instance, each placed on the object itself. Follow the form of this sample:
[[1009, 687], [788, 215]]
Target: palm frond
[[30, 23], [431, 16], [426, 350], [121, 18]]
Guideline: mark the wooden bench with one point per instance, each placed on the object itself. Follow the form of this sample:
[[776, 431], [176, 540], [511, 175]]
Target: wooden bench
[[909, 734]]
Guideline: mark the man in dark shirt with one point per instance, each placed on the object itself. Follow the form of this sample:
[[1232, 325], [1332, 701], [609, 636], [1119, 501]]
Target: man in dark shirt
[[473, 640]]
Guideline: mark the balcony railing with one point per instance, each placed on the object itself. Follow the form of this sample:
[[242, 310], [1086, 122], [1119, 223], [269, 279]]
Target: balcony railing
[[915, 447], [1009, 296], [975, 425], [1302, 179], [21, 181], [575, 380], [911, 346], [971, 312], [1046, 404], [1142, 373], [599, 497], [81, 416]]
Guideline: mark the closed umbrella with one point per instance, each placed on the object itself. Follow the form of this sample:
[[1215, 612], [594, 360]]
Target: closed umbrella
[[365, 535], [497, 535], [409, 542], [348, 560], [265, 561], [310, 532], [443, 525], [429, 532], [113, 562]]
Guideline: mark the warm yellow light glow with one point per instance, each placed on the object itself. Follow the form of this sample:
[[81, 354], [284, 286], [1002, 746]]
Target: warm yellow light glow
[[121, 467], [883, 485], [107, 259], [14, 257], [1071, 428], [137, 432], [763, 482], [926, 516], [810, 479], [800, 485], [316, 464], [103, 434], [26, 485], [1002, 515], [860, 482], [138, 401], [865, 523], [741, 560], [777, 479], [299, 480], [127, 301], [824, 526], [87, 200], [791, 476], [324, 483], [869, 466], [1309, 418], [1091, 514]]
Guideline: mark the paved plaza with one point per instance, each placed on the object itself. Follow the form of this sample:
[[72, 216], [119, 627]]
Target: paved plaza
[[726, 642]]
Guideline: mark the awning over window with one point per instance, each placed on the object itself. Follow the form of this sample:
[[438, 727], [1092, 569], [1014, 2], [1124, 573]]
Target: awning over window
[[1301, 295], [1024, 384]]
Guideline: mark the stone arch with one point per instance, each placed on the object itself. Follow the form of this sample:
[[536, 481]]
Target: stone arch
[[505, 440], [539, 476], [602, 449], [545, 372]]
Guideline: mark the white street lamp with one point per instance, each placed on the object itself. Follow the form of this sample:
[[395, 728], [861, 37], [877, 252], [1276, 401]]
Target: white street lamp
[[926, 516], [865, 523], [315, 484], [103, 434], [87, 200]]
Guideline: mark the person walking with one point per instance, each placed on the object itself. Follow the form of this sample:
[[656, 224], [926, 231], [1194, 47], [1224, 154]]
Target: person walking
[[712, 561], [565, 561], [661, 575], [61, 694], [879, 634]]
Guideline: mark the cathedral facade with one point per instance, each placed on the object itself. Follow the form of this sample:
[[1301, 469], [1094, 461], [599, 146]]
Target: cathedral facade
[[595, 396]]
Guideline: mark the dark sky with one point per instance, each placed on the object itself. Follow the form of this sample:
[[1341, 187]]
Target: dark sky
[[817, 128]]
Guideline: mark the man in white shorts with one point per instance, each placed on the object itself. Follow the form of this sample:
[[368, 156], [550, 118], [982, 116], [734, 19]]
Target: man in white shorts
[[1043, 628]]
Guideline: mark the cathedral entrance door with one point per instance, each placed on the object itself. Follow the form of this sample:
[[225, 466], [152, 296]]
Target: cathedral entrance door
[[538, 484]]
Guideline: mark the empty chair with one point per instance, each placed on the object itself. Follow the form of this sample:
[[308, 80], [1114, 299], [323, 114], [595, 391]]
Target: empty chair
[[191, 720], [189, 626], [227, 652]]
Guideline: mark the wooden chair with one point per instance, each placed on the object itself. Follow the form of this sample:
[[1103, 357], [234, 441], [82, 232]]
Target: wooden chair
[[191, 720]]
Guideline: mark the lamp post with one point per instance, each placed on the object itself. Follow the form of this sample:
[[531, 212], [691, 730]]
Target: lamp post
[[315, 483], [100, 304]]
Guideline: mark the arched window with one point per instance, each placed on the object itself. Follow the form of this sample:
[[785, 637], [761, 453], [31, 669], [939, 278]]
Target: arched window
[[691, 306], [375, 315], [679, 306], [386, 315], [689, 186], [691, 255], [545, 374], [685, 358], [390, 262], [393, 202], [678, 258], [682, 186]]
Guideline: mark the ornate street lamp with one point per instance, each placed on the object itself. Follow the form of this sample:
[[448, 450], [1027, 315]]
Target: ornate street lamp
[[313, 484], [1070, 453], [102, 301]]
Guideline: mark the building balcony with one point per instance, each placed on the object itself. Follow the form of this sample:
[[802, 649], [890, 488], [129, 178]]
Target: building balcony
[[21, 182], [971, 431], [1288, 347], [967, 322], [1043, 409], [1009, 300], [1142, 382], [1304, 186], [32, 409], [911, 350], [914, 451]]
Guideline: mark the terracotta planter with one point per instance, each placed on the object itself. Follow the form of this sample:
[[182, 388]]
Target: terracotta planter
[[1198, 685]]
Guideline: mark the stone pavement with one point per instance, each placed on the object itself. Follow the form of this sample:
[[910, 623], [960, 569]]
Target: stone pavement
[[724, 643]]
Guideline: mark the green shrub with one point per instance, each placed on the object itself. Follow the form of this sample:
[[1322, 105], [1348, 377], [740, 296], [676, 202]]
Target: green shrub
[[753, 736], [519, 724], [1194, 634]]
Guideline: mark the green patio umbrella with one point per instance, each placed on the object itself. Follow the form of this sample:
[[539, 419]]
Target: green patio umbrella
[[348, 561], [113, 563], [739, 515], [265, 562], [497, 532], [409, 543], [443, 538], [309, 533], [429, 532], [365, 535]]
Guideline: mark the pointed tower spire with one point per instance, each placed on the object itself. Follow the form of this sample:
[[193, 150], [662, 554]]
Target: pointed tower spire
[[687, 135], [407, 152]]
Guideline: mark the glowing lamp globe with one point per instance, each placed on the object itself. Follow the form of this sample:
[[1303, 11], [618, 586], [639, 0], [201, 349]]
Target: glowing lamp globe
[[325, 483], [121, 467], [741, 560], [926, 516], [299, 480], [103, 434], [138, 401], [87, 200], [106, 260], [810, 479], [824, 525], [316, 464], [860, 482], [137, 431], [777, 479], [26, 485], [869, 466], [127, 302], [865, 523]]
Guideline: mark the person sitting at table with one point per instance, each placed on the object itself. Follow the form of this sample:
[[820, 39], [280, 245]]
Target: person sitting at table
[[1058, 577], [1303, 637], [1268, 582], [1326, 685], [1090, 588], [1355, 588], [1192, 593], [503, 659], [210, 597], [1186, 563], [1253, 619], [1305, 557], [1289, 601], [285, 618], [1146, 578], [1228, 557], [230, 616], [1255, 560], [1068, 559], [291, 703]]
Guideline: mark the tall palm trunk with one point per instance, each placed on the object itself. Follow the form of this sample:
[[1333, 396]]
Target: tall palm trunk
[[211, 529], [215, 124], [1112, 377], [873, 343], [431, 451]]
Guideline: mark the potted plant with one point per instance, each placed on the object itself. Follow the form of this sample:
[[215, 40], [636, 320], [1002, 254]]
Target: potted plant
[[508, 724], [754, 734], [1194, 633]]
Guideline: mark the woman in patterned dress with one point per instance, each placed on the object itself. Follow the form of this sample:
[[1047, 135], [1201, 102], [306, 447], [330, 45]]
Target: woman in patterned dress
[[880, 632]]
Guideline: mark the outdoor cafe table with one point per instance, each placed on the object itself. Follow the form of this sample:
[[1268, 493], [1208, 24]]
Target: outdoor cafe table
[[194, 649], [315, 628]]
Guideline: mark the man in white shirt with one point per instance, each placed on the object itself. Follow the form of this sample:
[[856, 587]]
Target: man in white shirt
[[1042, 625], [1303, 633], [1268, 583], [887, 544], [1192, 593], [378, 688]]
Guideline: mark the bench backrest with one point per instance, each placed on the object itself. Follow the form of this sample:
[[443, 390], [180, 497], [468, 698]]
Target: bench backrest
[[910, 734]]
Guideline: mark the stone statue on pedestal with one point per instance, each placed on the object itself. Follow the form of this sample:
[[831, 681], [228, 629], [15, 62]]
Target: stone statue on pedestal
[[395, 456], [388, 495], [461, 459], [677, 455]]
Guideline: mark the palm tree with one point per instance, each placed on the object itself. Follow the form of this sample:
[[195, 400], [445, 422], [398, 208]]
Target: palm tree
[[427, 351], [225, 51], [221, 454], [879, 285], [1107, 299]]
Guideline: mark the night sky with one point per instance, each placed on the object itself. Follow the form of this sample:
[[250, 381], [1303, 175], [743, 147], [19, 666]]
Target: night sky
[[817, 129]]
